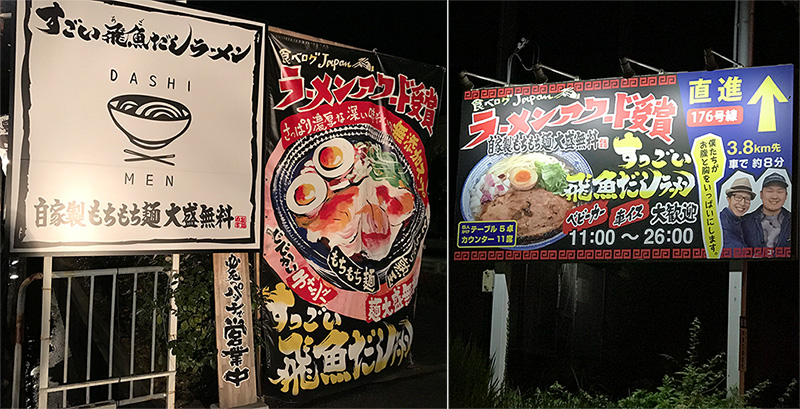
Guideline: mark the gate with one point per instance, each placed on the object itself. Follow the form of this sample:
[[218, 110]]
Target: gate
[[134, 372]]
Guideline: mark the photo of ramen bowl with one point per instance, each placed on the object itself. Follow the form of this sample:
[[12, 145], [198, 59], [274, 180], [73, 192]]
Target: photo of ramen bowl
[[149, 122], [516, 187], [304, 174]]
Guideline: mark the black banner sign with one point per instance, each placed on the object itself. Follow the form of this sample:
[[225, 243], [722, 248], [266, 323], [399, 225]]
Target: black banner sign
[[346, 209]]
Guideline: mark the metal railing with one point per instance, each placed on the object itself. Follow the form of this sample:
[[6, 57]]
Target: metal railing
[[115, 336]]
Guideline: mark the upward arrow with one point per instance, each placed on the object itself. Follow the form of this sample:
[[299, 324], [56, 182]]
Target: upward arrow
[[766, 92]]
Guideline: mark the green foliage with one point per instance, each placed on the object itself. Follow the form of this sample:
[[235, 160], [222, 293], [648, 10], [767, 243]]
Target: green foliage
[[471, 373], [788, 395], [195, 344], [696, 385], [513, 398], [472, 386], [258, 304], [556, 396]]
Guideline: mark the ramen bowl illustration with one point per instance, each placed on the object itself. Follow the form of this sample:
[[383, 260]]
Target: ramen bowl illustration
[[149, 122]]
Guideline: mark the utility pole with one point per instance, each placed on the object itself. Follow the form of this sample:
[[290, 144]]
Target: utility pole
[[743, 35], [737, 281]]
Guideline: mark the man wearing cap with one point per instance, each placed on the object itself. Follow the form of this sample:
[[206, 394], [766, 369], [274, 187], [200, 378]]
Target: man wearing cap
[[739, 196], [770, 224]]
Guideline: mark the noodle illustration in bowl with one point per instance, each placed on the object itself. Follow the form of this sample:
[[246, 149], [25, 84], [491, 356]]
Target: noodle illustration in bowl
[[348, 193], [149, 122]]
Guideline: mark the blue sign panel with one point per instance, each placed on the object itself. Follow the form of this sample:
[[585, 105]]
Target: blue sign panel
[[747, 114]]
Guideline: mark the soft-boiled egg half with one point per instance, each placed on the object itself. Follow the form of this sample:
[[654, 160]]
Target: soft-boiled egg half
[[334, 158], [523, 178], [306, 193]]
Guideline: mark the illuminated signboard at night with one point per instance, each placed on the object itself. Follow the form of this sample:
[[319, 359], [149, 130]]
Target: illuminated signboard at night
[[346, 211], [693, 165], [137, 128]]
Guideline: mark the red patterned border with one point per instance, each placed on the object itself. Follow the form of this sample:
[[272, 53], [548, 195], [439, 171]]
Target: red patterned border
[[578, 86], [618, 254]]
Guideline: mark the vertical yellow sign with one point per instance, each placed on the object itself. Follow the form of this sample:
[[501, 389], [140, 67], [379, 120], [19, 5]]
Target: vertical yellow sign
[[709, 161]]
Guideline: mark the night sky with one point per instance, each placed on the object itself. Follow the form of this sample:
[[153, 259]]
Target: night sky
[[414, 30], [587, 38]]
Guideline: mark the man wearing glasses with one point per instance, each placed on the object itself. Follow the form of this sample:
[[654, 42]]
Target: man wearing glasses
[[739, 196], [770, 224]]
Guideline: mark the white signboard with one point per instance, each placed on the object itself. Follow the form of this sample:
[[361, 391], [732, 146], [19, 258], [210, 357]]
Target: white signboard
[[137, 128]]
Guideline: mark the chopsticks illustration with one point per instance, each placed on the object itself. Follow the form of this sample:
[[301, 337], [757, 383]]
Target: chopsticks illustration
[[141, 157]]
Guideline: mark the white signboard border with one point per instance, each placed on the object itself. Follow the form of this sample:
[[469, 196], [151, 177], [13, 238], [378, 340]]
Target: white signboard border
[[18, 188]]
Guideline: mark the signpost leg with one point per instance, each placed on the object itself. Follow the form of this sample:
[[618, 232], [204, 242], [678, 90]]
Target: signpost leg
[[499, 333], [44, 345], [735, 326], [743, 331], [173, 331]]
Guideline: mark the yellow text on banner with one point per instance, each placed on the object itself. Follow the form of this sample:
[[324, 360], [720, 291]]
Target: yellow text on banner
[[709, 161]]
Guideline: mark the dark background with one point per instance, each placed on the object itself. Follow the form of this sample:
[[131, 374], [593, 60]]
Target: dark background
[[412, 30], [634, 313], [586, 38]]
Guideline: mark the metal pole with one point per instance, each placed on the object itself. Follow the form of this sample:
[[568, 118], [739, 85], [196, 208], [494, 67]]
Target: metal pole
[[102, 382], [89, 337], [737, 327], [110, 333], [499, 328], [173, 331], [44, 343], [66, 341], [649, 67], [743, 46], [734, 314], [575, 77], [257, 268], [152, 333], [734, 63], [494, 81], [18, 345], [743, 331], [508, 68], [173, 322], [133, 331]]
